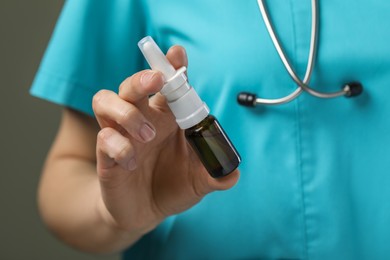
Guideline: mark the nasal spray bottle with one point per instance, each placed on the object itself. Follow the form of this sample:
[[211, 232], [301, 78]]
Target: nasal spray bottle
[[202, 130]]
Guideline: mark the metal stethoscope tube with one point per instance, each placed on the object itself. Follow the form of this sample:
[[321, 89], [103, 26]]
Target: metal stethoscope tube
[[349, 90]]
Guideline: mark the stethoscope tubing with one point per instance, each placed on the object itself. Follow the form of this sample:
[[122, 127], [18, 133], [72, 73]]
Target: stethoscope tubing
[[302, 85]]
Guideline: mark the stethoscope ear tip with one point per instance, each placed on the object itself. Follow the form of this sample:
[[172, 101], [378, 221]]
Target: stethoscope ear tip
[[353, 89], [246, 99]]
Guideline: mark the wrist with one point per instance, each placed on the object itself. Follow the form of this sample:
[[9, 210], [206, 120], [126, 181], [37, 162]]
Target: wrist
[[129, 234]]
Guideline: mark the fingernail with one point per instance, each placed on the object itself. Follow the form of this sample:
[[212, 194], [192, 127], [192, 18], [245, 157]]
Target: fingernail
[[131, 165], [147, 77], [147, 133]]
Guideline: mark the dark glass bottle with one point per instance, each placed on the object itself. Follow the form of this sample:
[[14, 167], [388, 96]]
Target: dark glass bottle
[[213, 147], [202, 130]]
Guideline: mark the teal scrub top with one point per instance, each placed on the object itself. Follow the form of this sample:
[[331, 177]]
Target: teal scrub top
[[315, 175]]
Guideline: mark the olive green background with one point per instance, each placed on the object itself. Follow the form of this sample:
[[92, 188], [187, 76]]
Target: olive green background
[[27, 127]]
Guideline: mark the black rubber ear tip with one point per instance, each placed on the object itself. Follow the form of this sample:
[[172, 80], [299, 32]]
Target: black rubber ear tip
[[246, 99], [355, 89]]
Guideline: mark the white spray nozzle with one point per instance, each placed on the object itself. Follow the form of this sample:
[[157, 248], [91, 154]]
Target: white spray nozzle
[[156, 58], [182, 99]]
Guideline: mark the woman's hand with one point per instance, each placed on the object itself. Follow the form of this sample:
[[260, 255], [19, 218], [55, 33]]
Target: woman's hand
[[147, 171]]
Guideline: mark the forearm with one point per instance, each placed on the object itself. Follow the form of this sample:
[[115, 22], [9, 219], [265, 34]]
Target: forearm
[[70, 204]]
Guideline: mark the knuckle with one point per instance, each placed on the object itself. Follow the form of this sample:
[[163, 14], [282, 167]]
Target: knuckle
[[103, 136], [99, 97], [125, 84], [119, 152], [125, 152], [127, 115]]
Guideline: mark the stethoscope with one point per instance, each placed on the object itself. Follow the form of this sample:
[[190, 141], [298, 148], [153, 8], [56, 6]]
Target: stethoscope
[[351, 89]]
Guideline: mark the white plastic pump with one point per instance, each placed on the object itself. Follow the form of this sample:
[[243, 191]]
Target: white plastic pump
[[182, 99]]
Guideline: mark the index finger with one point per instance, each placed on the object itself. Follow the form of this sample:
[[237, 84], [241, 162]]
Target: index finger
[[137, 88]]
